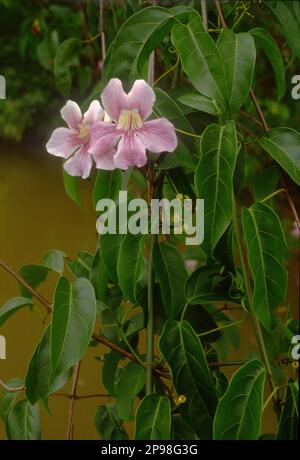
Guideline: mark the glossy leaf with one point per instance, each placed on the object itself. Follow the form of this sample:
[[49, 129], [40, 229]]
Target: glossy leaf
[[7, 398], [153, 419], [131, 264], [109, 425], [289, 23], [107, 185], [82, 266], [37, 381], [200, 59], [181, 430], [201, 103], [239, 412], [12, 306], [214, 180], [34, 274], [137, 37], [172, 275], [266, 247], [183, 352], [289, 418], [129, 385], [71, 187], [55, 260], [283, 144], [109, 251], [264, 39], [73, 320], [23, 422], [238, 55]]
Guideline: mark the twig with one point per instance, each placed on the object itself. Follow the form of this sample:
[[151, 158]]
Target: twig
[[204, 14], [73, 397], [77, 398], [22, 281], [12, 389]]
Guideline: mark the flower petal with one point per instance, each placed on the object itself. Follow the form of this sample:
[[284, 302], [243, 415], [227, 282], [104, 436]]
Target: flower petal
[[71, 113], [158, 135], [62, 142], [93, 114], [105, 161], [114, 99], [104, 137], [142, 97], [130, 152], [80, 164]]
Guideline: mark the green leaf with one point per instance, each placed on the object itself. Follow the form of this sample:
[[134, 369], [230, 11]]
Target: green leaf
[[138, 36], [266, 247], [109, 371], [153, 419], [12, 306], [172, 275], [99, 278], [34, 274], [107, 185], [199, 102], [23, 422], [239, 412], [39, 370], [7, 398], [82, 266], [73, 320], [181, 430], [238, 55], [191, 377], [289, 418], [129, 385], [55, 260], [289, 24], [109, 252], [207, 284], [264, 39], [283, 144], [200, 59], [214, 180], [265, 182], [108, 424], [71, 187], [62, 73], [131, 264]]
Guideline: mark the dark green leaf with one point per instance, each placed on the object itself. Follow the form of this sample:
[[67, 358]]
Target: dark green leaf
[[55, 260], [108, 424], [107, 185], [268, 44], [199, 102], [38, 374], [62, 73], [153, 419], [289, 24], [129, 385], [266, 247], [181, 430], [207, 284], [71, 187], [23, 422], [7, 398], [238, 55], [109, 251], [289, 418], [82, 266], [201, 59], [131, 264], [283, 144], [214, 180], [172, 275], [12, 306], [73, 320], [34, 274], [239, 412], [191, 377]]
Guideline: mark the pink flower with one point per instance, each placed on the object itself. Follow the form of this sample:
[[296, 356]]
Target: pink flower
[[73, 142], [128, 132]]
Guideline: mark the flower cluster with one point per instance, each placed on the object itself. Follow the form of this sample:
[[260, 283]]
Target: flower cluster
[[115, 136]]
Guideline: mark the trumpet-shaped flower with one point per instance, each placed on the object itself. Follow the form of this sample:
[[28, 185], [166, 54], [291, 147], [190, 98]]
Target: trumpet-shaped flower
[[127, 137], [73, 142]]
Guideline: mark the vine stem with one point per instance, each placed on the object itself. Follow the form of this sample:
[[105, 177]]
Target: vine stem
[[73, 397]]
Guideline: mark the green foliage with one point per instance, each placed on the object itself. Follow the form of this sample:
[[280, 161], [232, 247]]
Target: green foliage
[[153, 419]]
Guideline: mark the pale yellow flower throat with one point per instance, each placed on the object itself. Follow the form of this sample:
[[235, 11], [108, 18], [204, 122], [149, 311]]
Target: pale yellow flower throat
[[129, 119]]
